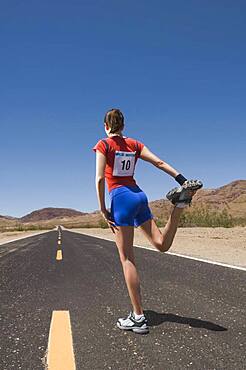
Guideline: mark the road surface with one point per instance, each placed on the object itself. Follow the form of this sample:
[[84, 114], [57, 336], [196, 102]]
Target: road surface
[[196, 311]]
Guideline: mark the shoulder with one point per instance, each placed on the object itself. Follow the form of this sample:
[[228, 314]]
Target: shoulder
[[132, 139], [101, 145], [139, 144]]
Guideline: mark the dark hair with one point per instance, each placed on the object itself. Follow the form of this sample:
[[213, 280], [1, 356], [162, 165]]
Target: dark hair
[[115, 120]]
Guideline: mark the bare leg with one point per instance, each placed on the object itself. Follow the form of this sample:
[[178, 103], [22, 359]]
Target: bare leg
[[124, 241], [162, 241]]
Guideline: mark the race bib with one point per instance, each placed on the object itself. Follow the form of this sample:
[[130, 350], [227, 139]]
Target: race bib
[[124, 163]]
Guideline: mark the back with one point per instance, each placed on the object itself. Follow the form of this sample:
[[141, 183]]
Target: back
[[121, 155]]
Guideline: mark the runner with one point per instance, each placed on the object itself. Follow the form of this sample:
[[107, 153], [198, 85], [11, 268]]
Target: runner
[[116, 157]]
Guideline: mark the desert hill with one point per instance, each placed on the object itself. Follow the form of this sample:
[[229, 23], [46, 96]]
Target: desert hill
[[50, 213], [231, 197]]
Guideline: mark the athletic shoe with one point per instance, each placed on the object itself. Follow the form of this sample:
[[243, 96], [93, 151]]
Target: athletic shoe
[[130, 323], [181, 197]]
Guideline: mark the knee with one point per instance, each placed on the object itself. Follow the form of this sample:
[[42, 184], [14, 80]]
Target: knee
[[124, 258], [162, 246], [165, 247], [158, 245]]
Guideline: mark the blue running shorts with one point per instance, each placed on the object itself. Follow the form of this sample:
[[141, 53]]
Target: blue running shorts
[[129, 206]]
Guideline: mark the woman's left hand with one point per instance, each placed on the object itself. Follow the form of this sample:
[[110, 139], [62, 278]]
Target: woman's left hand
[[107, 217]]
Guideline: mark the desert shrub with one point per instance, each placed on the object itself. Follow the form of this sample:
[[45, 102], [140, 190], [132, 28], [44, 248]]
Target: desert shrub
[[37, 227], [239, 221], [160, 222], [205, 217], [32, 227], [89, 226], [19, 227], [23, 227], [81, 226], [103, 224]]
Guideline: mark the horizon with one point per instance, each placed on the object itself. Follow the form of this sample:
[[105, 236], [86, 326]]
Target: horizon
[[96, 210], [176, 70]]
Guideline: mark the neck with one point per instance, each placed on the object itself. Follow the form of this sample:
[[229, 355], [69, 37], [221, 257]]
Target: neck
[[119, 134]]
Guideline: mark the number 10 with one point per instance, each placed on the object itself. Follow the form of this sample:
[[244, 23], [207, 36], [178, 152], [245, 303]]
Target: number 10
[[128, 165]]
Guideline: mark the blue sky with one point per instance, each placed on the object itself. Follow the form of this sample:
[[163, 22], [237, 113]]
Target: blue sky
[[176, 70]]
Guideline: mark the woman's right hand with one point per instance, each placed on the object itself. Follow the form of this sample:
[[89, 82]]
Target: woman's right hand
[[107, 217]]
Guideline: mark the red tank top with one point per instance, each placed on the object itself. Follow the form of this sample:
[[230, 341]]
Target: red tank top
[[121, 155]]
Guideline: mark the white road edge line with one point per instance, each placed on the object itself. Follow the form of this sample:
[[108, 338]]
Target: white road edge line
[[25, 237], [172, 253]]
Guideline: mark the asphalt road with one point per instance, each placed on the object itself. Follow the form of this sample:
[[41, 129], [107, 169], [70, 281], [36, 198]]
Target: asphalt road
[[196, 311]]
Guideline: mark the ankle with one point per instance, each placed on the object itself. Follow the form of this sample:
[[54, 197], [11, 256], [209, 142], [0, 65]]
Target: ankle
[[181, 205], [138, 316]]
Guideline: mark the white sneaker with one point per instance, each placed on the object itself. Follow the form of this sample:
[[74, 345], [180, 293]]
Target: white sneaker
[[130, 323]]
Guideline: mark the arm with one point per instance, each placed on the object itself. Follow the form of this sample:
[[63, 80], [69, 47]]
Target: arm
[[100, 189], [148, 156], [100, 180]]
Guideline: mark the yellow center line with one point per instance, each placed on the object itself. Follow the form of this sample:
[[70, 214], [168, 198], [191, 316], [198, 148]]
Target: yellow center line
[[59, 255], [60, 355], [59, 242]]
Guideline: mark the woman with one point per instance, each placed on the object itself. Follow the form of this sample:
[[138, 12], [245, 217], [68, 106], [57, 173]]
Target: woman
[[116, 157]]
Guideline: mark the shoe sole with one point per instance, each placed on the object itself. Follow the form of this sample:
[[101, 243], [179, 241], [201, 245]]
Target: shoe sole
[[191, 185], [135, 330], [170, 195]]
